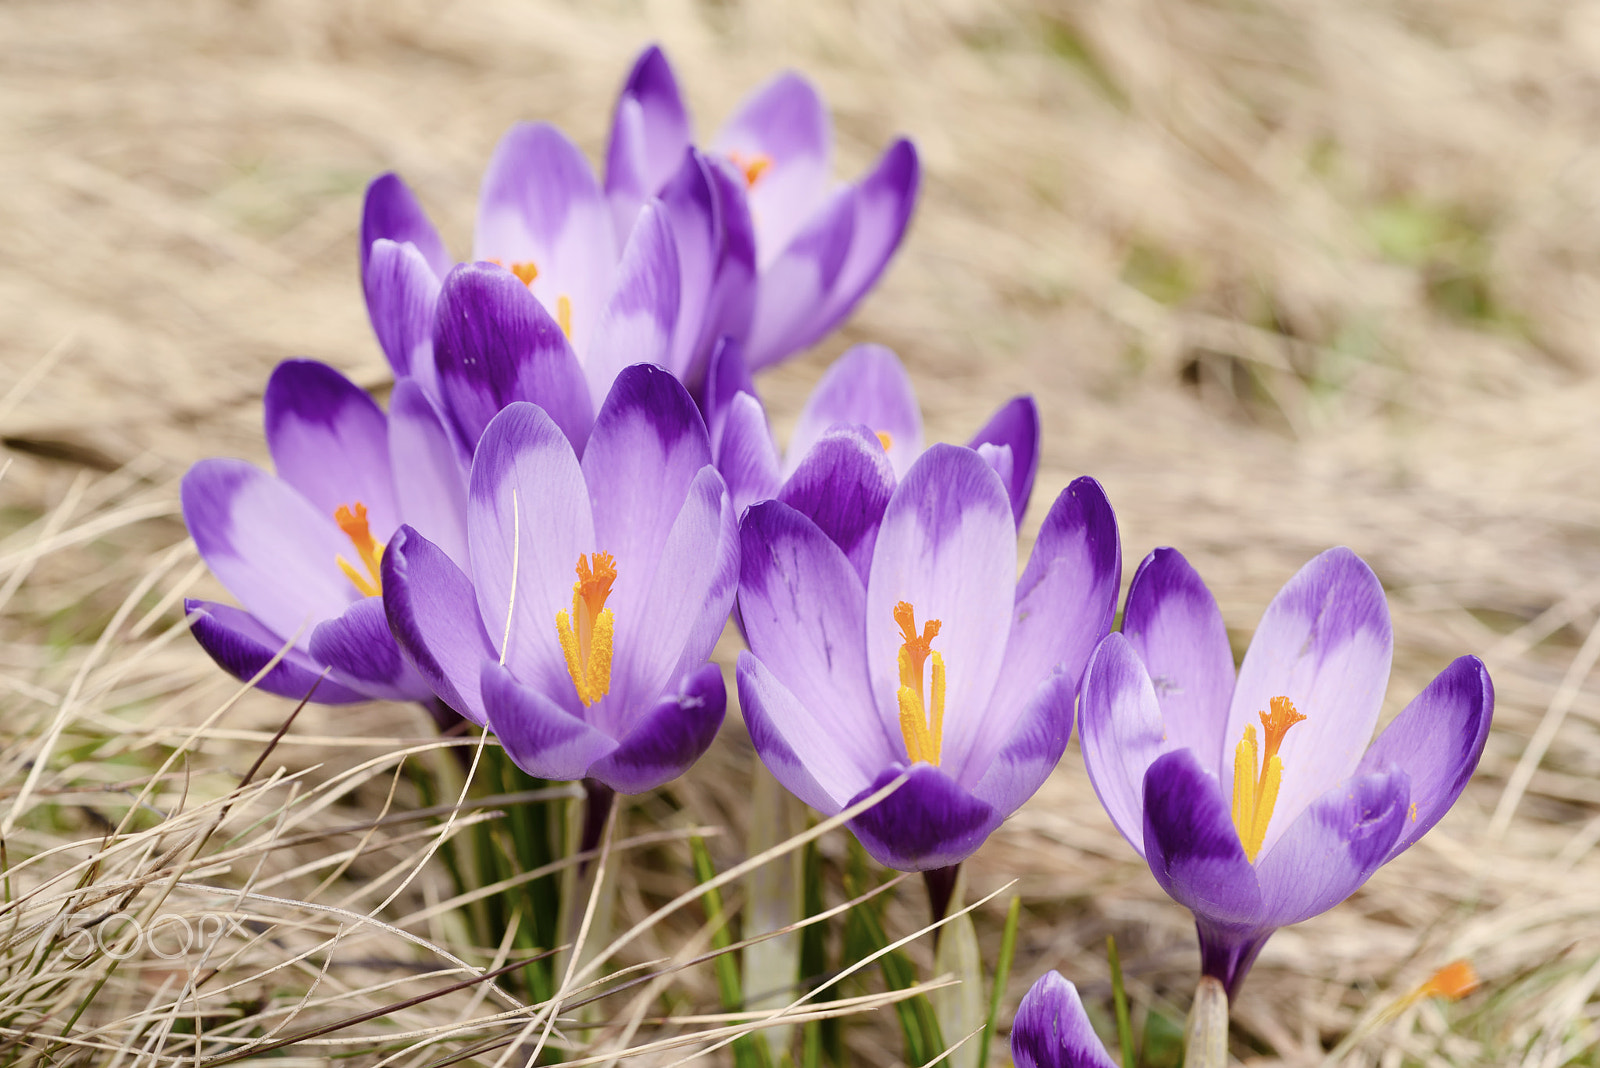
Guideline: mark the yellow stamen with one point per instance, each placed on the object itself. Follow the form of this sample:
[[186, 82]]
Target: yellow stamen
[[368, 548], [564, 314], [526, 271], [585, 635], [752, 165], [885, 440], [924, 733], [1255, 795]]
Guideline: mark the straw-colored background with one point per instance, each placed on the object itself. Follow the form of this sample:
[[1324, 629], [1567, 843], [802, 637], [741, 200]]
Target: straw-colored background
[[1281, 275]]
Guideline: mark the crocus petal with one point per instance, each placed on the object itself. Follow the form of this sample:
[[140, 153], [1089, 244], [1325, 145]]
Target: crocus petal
[[882, 202], [727, 375], [843, 486], [495, 344], [649, 133], [1051, 1030], [1015, 426], [528, 520], [268, 545], [1334, 847], [929, 822], [432, 489], [786, 122], [688, 204], [1325, 643], [1437, 742], [542, 738], [668, 738], [868, 386], [329, 440], [747, 455], [641, 310], [1191, 845], [433, 613], [1173, 623], [540, 204], [794, 286], [1034, 748], [822, 769], [1121, 733], [392, 213], [731, 304], [241, 646], [359, 646], [402, 292], [948, 547]]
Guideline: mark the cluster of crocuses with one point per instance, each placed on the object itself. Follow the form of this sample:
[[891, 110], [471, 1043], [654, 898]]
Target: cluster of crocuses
[[575, 485]]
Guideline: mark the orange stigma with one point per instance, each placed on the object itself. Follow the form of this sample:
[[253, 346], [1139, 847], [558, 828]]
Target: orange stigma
[[526, 271], [752, 165], [585, 635], [886, 440], [1454, 981], [1256, 793], [368, 548], [921, 722]]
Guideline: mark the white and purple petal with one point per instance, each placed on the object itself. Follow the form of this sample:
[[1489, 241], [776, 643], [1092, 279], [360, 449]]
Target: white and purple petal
[[432, 487], [668, 738], [868, 386], [390, 212], [1015, 426], [649, 133], [1191, 845], [1051, 1030], [641, 309], [843, 486], [820, 767], [882, 202], [542, 738], [1121, 732], [363, 653], [929, 822], [747, 455], [1031, 752], [786, 122], [241, 646], [432, 611], [794, 287], [402, 292]]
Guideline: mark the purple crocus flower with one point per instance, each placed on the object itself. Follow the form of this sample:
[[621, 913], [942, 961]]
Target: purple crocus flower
[[604, 677], [1051, 1030], [818, 248], [302, 549], [868, 391], [1256, 798], [919, 652]]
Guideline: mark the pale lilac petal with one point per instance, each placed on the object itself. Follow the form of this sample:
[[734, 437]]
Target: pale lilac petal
[[748, 455], [641, 310], [391, 213], [929, 822], [268, 545], [1191, 845], [402, 292], [868, 386], [793, 287], [843, 486], [948, 547], [998, 457], [1015, 426], [329, 440], [731, 305], [669, 738], [649, 133], [540, 204], [1034, 747], [1173, 623], [688, 204], [1437, 742], [241, 646], [433, 613], [542, 738], [361, 650], [786, 122], [1121, 732], [1051, 1030], [822, 768], [1324, 643], [432, 486], [727, 375], [883, 201], [495, 344]]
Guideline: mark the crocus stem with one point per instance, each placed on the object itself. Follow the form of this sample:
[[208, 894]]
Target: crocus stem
[[597, 801], [941, 883], [1205, 1033]]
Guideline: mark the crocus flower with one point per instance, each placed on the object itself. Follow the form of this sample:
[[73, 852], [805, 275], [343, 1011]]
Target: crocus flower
[[301, 550], [1256, 798], [604, 677], [923, 654], [1051, 1030], [866, 388], [818, 248]]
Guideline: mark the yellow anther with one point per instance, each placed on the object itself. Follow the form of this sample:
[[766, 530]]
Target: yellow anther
[[585, 635], [752, 165], [1256, 794], [526, 271], [885, 440], [564, 314], [921, 725], [368, 548]]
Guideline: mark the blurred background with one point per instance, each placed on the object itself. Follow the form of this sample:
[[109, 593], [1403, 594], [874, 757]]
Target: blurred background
[[1282, 275]]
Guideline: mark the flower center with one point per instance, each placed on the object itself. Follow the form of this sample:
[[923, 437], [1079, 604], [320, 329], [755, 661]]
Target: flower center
[[1255, 793], [922, 726], [752, 165], [586, 634], [368, 548]]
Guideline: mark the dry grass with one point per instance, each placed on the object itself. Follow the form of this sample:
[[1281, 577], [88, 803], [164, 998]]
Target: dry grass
[[1282, 276]]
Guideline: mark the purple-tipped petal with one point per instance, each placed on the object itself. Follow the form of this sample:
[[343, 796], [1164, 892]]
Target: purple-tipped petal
[[329, 440], [867, 386], [542, 738], [268, 545], [1121, 732], [1334, 847], [391, 212], [794, 287], [1033, 749], [1051, 1030], [495, 344], [727, 375], [432, 489], [359, 646], [948, 547], [883, 201], [402, 292], [649, 133], [241, 646], [1325, 643], [669, 737], [747, 456], [820, 767], [1015, 426], [432, 611], [1173, 623], [688, 204], [785, 122], [731, 304], [641, 310], [1437, 742], [541, 205], [929, 822], [1191, 845], [843, 486]]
